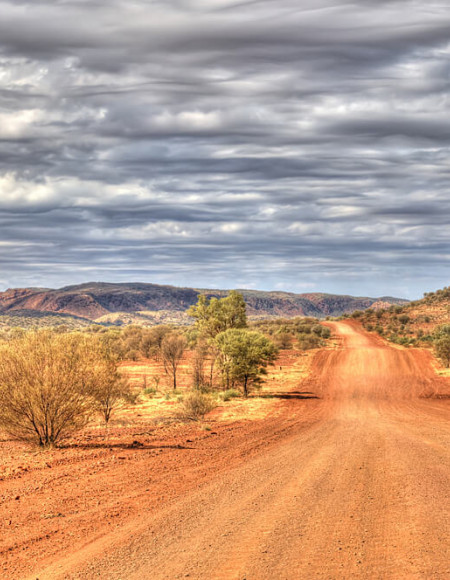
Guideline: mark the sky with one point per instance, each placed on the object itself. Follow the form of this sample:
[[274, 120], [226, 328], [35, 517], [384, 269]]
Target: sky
[[298, 145]]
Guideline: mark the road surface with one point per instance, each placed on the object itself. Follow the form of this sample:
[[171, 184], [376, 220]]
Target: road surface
[[361, 493]]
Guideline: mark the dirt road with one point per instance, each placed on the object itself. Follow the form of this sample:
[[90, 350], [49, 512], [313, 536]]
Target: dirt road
[[361, 492]]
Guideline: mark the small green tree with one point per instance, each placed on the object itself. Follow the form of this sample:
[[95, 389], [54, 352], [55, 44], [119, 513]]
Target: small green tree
[[213, 316], [216, 315], [244, 356]]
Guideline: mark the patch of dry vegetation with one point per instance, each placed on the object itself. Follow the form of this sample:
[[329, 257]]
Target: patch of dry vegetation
[[52, 383], [55, 382]]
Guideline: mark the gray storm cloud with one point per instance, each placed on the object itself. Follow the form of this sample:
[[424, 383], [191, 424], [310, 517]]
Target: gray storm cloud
[[292, 145]]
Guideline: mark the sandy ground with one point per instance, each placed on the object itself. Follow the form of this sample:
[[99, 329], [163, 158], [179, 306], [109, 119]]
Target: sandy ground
[[348, 478]]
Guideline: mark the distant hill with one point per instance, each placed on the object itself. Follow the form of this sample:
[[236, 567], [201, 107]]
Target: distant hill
[[413, 322], [155, 304]]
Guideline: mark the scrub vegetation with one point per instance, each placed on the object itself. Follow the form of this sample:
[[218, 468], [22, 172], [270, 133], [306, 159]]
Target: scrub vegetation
[[51, 384], [56, 381], [423, 323]]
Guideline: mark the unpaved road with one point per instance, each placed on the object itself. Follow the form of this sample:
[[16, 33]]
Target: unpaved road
[[361, 492]]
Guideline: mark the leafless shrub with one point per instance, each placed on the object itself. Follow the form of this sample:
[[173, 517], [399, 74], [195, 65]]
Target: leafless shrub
[[109, 389], [196, 405], [172, 350], [52, 383]]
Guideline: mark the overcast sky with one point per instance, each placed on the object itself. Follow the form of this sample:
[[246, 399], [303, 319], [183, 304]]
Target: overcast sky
[[297, 145]]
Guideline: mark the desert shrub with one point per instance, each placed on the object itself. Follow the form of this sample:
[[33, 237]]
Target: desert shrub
[[134, 342], [317, 329], [109, 390], [442, 330], [196, 405], [283, 340], [308, 341], [441, 343], [304, 328], [403, 318], [230, 394], [50, 384], [326, 332], [132, 355], [402, 340]]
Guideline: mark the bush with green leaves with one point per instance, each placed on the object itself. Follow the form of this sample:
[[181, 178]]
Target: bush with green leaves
[[215, 315], [283, 340], [308, 341], [229, 394], [441, 343], [244, 356], [357, 314]]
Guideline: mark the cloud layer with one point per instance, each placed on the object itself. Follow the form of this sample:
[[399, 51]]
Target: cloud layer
[[290, 145]]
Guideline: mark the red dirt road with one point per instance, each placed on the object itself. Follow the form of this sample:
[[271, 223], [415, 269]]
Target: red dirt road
[[356, 486]]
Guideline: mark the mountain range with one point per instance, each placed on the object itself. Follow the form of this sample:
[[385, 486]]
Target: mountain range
[[153, 304]]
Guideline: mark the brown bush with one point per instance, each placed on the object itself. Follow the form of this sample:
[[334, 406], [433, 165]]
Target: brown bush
[[196, 405], [48, 384]]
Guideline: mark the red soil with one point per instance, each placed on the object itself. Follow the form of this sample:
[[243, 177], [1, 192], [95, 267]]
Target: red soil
[[353, 484]]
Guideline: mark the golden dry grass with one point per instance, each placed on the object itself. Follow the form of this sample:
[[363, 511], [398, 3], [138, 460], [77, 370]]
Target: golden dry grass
[[286, 375]]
